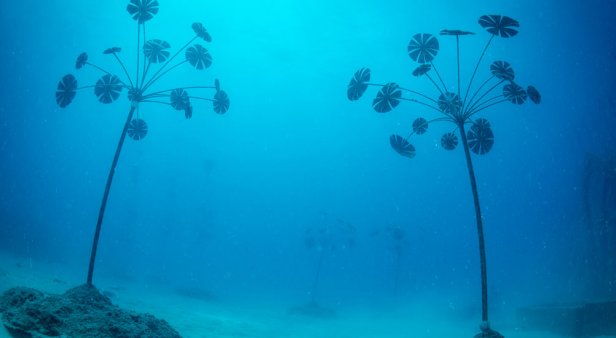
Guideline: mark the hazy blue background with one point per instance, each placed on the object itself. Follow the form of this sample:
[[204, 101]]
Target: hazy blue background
[[222, 202]]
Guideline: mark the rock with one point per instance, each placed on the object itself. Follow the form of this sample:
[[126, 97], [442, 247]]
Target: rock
[[80, 312]]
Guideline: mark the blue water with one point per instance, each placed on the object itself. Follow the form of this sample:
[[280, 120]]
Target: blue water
[[223, 202]]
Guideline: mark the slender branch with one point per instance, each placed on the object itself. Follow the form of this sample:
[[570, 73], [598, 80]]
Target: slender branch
[[101, 211], [152, 101], [422, 103], [99, 68], [201, 98], [486, 101], [476, 67], [479, 220], [86, 87], [106, 72], [138, 54], [124, 68], [191, 87], [418, 93], [478, 109], [154, 79], [145, 70], [438, 75], [144, 66], [434, 83], [472, 104], [149, 83], [458, 60]]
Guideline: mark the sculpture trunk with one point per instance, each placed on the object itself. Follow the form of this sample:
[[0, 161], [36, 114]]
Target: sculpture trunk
[[101, 212], [482, 249]]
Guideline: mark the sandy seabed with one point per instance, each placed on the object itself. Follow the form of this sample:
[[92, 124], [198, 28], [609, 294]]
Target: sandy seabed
[[199, 319]]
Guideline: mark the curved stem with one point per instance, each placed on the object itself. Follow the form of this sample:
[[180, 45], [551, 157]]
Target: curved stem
[[472, 104], [101, 211], [315, 283], [86, 87], [476, 67], [201, 98], [438, 75], [418, 93], [482, 249], [144, 63], [483, 106], [154, 78], [434, 83], [169, 90], [423, 103], [458, 60], [124, 68], [145, 70], [161, 102], [97, 67], [138, 53]]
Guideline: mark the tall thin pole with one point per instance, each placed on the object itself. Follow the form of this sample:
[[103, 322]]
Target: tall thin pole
[[101, 211]]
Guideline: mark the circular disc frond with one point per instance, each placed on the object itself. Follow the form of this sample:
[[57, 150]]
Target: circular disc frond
[[422, 69], [480, 137], [387, 98], [66, 90], [82, 59], [402, 146], [420, 125], [142, 10], [358, 84], [198, 56], [533, 94], [201, 32], [221, 102], [423, 47], [449, 141], [514, 93], [502, 26], [108, 88], [179, 99], [450, 103], [137, 129], [455, 32], [156, 50], [502, 70], [112, 50]]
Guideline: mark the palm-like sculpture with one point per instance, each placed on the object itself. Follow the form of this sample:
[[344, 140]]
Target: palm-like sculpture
[[109, 87], [325, 238], [452, 107]]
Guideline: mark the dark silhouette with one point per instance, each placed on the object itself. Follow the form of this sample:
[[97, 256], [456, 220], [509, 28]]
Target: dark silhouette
[[324, 238], [139, 88], [459, 108]]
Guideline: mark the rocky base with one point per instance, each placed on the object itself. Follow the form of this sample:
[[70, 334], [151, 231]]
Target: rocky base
[[79, 312]]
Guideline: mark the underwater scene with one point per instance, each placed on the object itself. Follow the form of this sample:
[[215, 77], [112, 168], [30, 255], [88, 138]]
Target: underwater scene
[[345, 168]]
